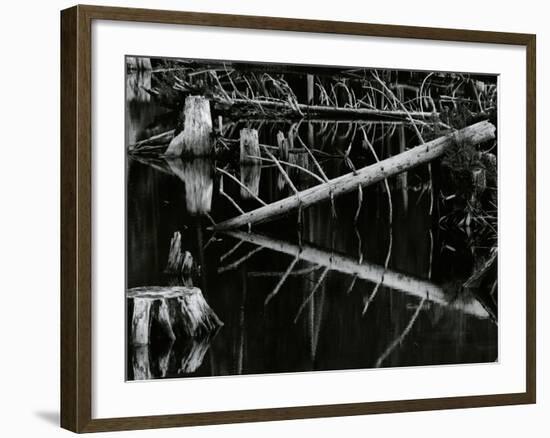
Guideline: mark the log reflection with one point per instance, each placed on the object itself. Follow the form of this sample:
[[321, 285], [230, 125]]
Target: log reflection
[[367, 271]]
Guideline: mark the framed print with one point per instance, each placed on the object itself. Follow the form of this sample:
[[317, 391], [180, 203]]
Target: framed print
[[267, 219]]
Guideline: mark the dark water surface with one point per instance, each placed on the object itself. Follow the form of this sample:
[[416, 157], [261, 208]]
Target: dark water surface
[[320, 318]]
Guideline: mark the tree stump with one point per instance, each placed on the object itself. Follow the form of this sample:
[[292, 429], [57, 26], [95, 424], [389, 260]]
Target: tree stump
[[282, 143], [138, 63], [180, 312], [179, 262], [137, 82], [301, 179], [250, 178], [250, 167], [196, 138], [250, 146]]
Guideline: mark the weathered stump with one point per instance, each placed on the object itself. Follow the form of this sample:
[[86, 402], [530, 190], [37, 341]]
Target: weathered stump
[[179, 262], [310, 81], [180, 312], [283, 145], [301, 179], [250, 178], [250, 166], [197, 175], [138, 63], [250, 146], [196, 138], [136, 84]]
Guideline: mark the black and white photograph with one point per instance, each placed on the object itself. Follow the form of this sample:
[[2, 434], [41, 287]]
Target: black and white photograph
[[288, 218]]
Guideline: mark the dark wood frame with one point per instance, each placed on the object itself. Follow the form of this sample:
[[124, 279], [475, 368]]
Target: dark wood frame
[[76, 237]]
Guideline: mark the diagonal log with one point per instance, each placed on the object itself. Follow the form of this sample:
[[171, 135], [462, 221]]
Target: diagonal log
[[474, 134], [367, 271]]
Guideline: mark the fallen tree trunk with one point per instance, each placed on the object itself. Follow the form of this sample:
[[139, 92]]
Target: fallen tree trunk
[[181, 312], [315, 111], [374, 173], [367, 271]]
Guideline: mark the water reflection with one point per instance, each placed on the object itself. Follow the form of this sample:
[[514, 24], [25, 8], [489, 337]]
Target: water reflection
[[196, 174], [379, 275], [167, 359], [340, 287]]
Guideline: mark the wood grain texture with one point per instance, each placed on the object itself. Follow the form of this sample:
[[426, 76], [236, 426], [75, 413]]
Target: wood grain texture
[[76, 231]]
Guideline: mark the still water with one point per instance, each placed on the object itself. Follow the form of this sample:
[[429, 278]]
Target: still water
[[345, 289]]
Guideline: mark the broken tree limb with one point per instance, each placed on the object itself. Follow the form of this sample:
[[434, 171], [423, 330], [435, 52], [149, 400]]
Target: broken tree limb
[[366, 176], [367, 271], [315, 111], [157, 140], [181, 312], [196, 138]]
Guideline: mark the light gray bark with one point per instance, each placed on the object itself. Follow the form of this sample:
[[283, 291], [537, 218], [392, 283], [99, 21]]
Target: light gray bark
[[366, 176]]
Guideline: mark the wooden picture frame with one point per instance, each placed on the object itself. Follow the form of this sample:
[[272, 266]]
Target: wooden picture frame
[[76, 218]]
